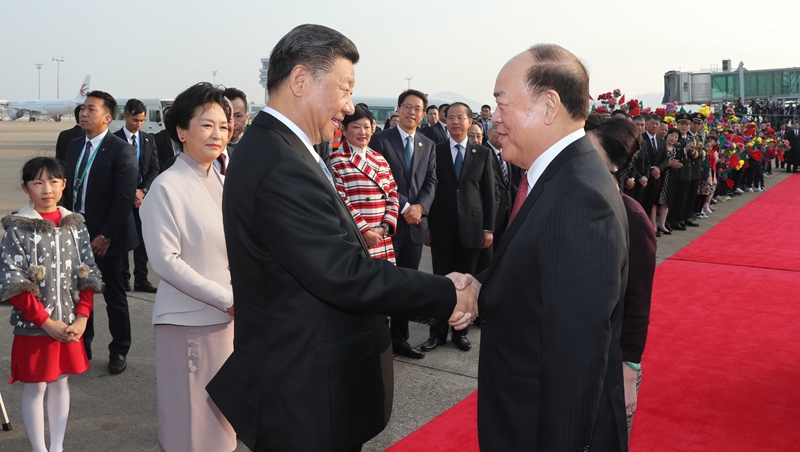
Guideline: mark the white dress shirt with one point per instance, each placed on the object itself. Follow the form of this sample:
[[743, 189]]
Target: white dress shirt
[[454, 151], [293, 127], [95, 143], [543, 161], [403, 136]]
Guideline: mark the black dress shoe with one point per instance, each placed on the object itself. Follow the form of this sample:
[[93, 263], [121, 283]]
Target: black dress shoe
[[669, 228], [461, 342], [680, 227], [404, 349], [691, 223], [116, 364], [663, 231], [144, 286], [432, 343]]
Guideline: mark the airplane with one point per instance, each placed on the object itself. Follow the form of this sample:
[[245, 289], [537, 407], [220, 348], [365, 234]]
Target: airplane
[[51, 107]]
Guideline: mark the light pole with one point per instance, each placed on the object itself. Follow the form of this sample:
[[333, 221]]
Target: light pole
[[214, 73], [58, 61], [408, 79], [39, 68]]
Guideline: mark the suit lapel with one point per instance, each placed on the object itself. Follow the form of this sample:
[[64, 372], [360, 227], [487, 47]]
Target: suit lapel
[[400, 151], [469, 152], [102, 155], [581, 146], [269, 122], [416, 160]]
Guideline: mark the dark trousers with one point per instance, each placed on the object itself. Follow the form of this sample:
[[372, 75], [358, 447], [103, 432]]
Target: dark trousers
[[407, 255], [675, 214], [447, 260], [139, 256], [119, 321], [691, 196]]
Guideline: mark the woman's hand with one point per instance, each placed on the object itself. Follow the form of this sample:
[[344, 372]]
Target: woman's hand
[[371, 237], [629, 378]]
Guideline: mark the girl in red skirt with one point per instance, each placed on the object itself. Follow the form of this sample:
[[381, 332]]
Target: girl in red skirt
[[47, 272]]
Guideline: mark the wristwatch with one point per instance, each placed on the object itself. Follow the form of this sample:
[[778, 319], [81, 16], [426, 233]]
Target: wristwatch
[[385, 229], [105, 239]]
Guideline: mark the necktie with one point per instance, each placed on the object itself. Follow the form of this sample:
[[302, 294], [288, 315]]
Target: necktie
[[503, 166], [77, 203], [409, 151], [138, 158], [653, 141], [459, 162], [521, 195], [327, 173], [222, 166]]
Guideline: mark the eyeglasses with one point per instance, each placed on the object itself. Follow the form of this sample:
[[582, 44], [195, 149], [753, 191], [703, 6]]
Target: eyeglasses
[[458, 118], [410, 107]]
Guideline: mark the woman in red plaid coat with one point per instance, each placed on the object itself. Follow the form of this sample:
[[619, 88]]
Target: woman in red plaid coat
[[365, 181]]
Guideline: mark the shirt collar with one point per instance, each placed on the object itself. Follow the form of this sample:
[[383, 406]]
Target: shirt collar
[[403, 134], [296, 130], [96, 140], [128, 134], [543, 161], [463, 143], [496, 151]]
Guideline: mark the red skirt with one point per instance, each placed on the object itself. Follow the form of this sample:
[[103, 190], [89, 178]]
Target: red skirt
[[36, 359]]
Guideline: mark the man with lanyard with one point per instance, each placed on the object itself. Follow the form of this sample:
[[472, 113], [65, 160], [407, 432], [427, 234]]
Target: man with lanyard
[[102, 174], [147, 158]]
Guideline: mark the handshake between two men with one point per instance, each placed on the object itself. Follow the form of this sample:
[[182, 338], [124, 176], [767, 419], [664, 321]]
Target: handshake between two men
[[467, 290]]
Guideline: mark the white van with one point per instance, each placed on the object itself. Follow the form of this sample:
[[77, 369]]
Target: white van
[[154, 115]]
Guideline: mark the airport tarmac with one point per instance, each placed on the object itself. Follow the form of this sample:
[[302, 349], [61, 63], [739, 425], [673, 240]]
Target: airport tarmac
[[118, 413]]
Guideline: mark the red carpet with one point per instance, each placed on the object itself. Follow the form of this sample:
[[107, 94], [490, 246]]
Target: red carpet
[[722, 366]]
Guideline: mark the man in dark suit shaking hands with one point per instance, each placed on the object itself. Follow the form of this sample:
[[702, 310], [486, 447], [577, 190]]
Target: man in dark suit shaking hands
[[550, 372], [101, 178], [463, 211], [412, 158], [311, 368]]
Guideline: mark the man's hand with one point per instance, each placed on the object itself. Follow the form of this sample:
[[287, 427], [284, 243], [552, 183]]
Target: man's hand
[[56, 330], [467, 289], [99, 246], [137, 202], [75, 331], [230, 312], [488, 238], [655, 172], [643, 181], [629, 183], [413, 214], [629, 378], [371, 237]]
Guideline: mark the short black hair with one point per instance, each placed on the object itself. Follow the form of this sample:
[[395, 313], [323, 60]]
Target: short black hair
[[134, 107], [359, 113], [186, 103], [654, 118], [413, 92], [77, 113], [35, 167], [638, 117], [619, 139], [620, 113], [362, 104], [431, 107], [108, 101], [234, 93], [486, 106], [314, 46], [443, 107], [462, 104], [673, 130]]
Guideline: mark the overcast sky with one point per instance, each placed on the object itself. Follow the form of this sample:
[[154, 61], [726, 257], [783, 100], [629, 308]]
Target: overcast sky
[[150, 48]]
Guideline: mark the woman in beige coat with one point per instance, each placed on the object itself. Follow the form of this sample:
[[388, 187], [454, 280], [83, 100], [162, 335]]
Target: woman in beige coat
[[192, 317]]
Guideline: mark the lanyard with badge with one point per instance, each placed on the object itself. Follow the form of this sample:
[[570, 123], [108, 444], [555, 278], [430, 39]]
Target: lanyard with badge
[[78, 184]]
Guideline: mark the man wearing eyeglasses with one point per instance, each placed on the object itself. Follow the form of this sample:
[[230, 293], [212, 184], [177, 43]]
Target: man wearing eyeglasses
[[463, 212], [412, 159]]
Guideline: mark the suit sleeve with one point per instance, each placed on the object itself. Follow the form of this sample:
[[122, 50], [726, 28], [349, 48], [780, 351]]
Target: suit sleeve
[[489, 193], [664, 161], [126, 174], [428, 190], [308, 241], [153, 169], [584, 256]]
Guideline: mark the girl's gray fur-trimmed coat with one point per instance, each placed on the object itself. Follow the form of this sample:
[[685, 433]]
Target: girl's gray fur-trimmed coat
[[53, 263]]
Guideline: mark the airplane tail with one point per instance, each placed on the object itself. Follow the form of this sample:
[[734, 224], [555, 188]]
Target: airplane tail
[[83, 90]]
